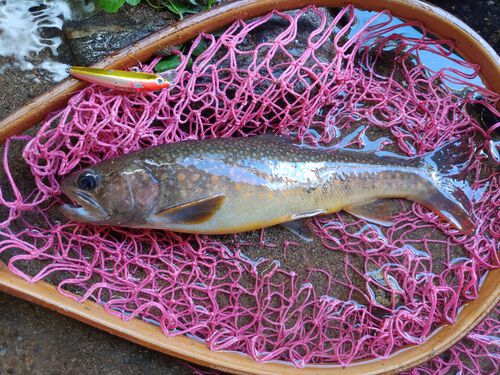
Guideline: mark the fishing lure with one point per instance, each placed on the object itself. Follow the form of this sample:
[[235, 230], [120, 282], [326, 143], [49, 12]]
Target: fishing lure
[[122, 80]]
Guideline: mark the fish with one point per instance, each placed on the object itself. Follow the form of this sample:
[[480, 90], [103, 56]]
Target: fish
[[239, 184], [122, 80]]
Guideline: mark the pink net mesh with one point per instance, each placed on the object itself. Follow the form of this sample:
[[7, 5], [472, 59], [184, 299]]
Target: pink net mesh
[[328, 77], [478, 353]]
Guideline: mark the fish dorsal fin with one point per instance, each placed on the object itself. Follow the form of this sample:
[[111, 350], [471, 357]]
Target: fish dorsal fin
[[377, 211], [193, 212]]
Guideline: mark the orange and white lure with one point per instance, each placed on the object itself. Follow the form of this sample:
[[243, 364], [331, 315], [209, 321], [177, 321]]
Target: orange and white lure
[[123, 80]]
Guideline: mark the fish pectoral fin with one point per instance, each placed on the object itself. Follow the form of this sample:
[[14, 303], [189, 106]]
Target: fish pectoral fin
[[377, 211], [300, 229], [194, 212]]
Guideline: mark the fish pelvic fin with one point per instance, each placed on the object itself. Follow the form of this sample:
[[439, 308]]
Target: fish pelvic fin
[[446, 168], [300, 229]]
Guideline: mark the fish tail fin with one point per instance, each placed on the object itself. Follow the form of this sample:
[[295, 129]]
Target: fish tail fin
[[451, 206], [451, 159], [446, 166]]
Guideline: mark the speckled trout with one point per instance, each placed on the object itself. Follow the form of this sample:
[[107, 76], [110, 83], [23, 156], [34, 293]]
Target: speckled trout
[[232, 185]]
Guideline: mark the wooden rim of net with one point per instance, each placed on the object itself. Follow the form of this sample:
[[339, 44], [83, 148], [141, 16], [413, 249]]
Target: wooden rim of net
[[468, 43]]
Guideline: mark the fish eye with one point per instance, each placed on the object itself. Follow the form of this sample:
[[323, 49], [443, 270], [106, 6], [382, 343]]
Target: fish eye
[[87, 180], [159, 81]]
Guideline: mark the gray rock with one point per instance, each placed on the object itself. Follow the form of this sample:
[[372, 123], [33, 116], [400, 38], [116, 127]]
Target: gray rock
[[99, 35]]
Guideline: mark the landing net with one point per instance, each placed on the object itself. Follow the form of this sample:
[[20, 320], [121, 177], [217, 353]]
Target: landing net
[[327, 77]]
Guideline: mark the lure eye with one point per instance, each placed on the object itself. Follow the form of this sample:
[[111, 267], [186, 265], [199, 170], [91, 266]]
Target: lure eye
[[160, 81], [87, 180]]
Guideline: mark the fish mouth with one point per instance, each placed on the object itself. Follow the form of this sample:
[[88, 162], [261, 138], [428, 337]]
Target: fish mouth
[[84, 209]]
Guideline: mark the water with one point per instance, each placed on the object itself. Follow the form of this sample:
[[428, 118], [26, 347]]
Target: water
[[430, 57], [21, 32]]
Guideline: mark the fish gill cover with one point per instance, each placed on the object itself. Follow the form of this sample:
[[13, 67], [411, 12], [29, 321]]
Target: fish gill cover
[[329, 77]]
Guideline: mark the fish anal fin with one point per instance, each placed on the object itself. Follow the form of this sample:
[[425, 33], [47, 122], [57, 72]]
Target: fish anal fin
[[377, 211], [300, 229], [194, 212]]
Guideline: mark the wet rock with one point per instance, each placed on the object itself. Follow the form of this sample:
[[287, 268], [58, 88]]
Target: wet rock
[[309, 22], [481, 15], [99, 35]]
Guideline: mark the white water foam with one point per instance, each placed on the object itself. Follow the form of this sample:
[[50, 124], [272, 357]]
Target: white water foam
[[20, 25]]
